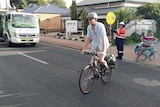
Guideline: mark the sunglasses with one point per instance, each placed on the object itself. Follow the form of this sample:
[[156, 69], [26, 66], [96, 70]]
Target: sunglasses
[[90, 18]]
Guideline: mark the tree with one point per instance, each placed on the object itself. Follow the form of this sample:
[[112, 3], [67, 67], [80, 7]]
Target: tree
[[73, 11], [126, 15], [84, 19], [32, 3], [59, 3], [150, 11], [19, 4], [23, 4], [41, 2]]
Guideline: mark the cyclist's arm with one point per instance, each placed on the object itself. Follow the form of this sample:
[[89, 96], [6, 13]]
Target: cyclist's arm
[[155, 39], [87, 41], [103, 45], [142, 40]]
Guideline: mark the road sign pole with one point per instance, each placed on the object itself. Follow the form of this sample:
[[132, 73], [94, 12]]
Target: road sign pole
[[110, 18], [110, 37]]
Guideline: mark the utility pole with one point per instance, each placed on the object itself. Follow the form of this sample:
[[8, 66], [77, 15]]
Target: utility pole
[[7, 5]]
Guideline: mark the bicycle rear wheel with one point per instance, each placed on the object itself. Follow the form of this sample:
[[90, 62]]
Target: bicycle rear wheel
[[86, 80], [105, 78], [157, 57], [142, 57]]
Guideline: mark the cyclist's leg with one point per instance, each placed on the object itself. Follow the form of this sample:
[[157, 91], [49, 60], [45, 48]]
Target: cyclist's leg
[[139, 54], [157, 57], [151, 56], [102, 61], [94, 50]]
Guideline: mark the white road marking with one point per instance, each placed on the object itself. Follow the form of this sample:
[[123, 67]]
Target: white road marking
[[33, 58], [146, 81]]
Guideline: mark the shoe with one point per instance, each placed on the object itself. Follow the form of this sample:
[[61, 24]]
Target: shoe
[[118, 58], [106, 71]]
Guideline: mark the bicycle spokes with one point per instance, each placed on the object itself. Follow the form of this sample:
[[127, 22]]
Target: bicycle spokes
[[157, 58], [86, 80]]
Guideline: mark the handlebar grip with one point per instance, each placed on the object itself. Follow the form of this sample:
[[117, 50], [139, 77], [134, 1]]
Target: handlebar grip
[[86, 53]]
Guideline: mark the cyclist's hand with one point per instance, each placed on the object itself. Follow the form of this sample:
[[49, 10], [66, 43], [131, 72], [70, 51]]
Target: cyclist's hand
[[101, 53], [156, 39]]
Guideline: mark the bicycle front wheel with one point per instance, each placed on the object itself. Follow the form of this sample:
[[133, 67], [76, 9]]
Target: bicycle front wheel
[[157, 57], [86, 80], [106, 77], [142, 57]]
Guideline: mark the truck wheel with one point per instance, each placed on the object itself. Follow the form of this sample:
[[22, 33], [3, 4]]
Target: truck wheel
[[33, 44], [8, 43]]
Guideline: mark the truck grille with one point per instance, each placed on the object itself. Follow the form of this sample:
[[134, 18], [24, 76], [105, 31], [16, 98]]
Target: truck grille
[[24, 35]]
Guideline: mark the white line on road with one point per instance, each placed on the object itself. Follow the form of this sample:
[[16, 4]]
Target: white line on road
[[33, 58]]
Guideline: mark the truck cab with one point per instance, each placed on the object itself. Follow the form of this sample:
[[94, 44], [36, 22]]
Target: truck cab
[[20, 28]]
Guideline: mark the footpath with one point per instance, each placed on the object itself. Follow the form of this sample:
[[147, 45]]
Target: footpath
[[77, 42]]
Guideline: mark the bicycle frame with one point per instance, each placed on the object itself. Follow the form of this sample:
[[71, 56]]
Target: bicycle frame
[[94, 62], [147, 53], [93, 70]]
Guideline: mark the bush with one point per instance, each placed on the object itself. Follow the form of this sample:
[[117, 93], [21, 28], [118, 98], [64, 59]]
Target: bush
[[128, 41], [134, 38]]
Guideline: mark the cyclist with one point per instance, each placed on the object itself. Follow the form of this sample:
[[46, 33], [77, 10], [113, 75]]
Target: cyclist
[[147, 42], [96, 34]]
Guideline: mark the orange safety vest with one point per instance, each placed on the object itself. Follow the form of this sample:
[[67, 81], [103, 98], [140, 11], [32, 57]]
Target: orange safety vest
[[121, 33]]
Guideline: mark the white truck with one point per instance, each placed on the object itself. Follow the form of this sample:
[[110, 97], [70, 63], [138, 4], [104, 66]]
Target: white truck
[[19, 28]]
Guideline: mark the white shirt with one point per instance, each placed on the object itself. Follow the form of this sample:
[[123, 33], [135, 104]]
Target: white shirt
[[96, 36]]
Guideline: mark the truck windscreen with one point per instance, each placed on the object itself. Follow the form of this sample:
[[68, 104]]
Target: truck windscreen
[[23, 21]]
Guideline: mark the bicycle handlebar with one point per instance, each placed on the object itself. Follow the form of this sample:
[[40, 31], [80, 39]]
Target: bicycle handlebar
[[90, 53], [148, 43]]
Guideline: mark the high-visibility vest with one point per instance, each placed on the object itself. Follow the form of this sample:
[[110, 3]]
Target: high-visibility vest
[[121, 33]]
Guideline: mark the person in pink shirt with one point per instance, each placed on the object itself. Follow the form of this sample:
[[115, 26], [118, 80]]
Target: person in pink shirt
[[147, 42]]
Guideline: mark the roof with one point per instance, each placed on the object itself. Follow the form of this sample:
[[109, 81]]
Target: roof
[[95, 2], [101, 12], [47, 9]]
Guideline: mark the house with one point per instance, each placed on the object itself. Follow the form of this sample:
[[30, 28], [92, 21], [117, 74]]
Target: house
[[48, 16], [102, 7]]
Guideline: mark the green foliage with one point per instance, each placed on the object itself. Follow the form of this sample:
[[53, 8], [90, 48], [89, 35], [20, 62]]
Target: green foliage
[[134, 38], [150, 11], [126, 15], [128, 41], [41, 2], [59, 3], [73, 11], [19, 4], [23, 4], [84, 19]]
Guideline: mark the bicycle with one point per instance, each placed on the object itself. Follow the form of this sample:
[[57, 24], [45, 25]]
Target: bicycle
[[95, 70], [150, 54]]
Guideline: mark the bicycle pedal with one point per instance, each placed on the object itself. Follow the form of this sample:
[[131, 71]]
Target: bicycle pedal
[[96, 76]]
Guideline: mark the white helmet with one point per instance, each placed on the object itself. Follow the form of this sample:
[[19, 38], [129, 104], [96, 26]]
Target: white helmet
[[92, 14], [121, 23]]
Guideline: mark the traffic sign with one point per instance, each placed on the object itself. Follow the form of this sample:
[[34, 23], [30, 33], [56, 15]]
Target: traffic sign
[[110, 18]]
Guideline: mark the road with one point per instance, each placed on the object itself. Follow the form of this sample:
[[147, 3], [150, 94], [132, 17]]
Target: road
[[47, 76]]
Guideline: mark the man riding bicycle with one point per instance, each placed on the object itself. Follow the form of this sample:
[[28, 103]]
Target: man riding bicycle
[[96, 34], [147, 42]]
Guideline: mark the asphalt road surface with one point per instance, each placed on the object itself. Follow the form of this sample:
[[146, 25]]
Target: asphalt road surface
[[47, 76]]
